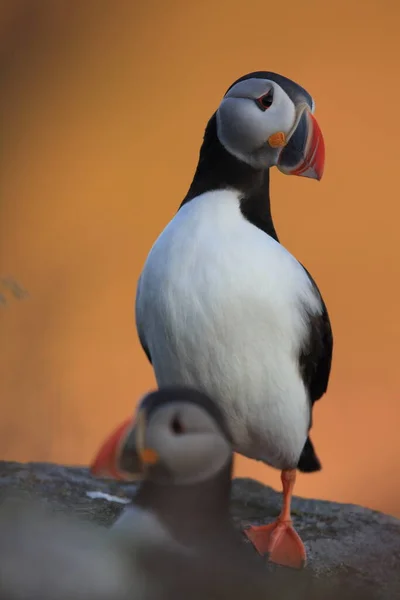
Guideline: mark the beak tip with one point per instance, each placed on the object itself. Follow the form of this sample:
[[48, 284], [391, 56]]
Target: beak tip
[[306, 151]]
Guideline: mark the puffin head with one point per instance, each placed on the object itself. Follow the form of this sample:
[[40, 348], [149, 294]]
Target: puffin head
[[177, 436], [267, 120]]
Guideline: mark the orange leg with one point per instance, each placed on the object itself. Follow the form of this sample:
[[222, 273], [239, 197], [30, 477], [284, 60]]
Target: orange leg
[[279, 539]]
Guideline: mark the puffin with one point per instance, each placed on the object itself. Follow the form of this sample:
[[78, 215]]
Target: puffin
[[222, 306], [179, 449]]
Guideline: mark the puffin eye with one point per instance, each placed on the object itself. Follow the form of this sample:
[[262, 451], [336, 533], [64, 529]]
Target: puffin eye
[[177, 426], [266, 100]]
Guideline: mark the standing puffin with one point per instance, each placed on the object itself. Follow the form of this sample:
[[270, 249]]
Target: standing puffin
[[223, 307]]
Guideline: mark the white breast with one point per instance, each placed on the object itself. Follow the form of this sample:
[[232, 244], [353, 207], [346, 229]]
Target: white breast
[[220, 305]]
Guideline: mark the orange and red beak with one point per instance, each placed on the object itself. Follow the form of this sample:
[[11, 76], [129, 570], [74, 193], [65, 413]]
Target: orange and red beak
[[304, 153], [123, 456], [106, 462]]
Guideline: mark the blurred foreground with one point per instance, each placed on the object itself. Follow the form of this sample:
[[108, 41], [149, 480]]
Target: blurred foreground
[[49, 556]]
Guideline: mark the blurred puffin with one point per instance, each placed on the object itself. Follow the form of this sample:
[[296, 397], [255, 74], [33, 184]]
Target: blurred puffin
[[180, 449], [222, 306]]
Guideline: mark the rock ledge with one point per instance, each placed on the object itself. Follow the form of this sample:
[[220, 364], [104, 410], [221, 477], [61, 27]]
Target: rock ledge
[[356, 545]]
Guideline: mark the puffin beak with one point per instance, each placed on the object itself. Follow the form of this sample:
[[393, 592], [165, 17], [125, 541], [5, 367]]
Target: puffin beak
[[304, 152], [123, 455], [105, 463]]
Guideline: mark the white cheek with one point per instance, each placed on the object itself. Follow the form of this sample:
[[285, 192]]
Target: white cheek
[[281, 115], [240, 125], [205, 456], [243, 128]]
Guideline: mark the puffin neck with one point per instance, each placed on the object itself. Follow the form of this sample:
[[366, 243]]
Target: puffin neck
[[217, 169], [189, 509]]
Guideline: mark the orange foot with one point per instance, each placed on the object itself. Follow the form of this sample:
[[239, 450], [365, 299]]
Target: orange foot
[[280, 540]]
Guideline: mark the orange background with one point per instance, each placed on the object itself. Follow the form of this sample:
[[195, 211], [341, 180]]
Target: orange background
[[103, 107]]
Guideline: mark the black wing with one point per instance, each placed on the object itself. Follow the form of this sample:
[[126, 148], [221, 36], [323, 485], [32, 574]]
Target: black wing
[[145, 349], [137, 319], [316, 356], [315, 362]]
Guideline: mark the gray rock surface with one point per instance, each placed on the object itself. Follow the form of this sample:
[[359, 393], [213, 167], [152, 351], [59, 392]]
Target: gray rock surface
[[350, 544]]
